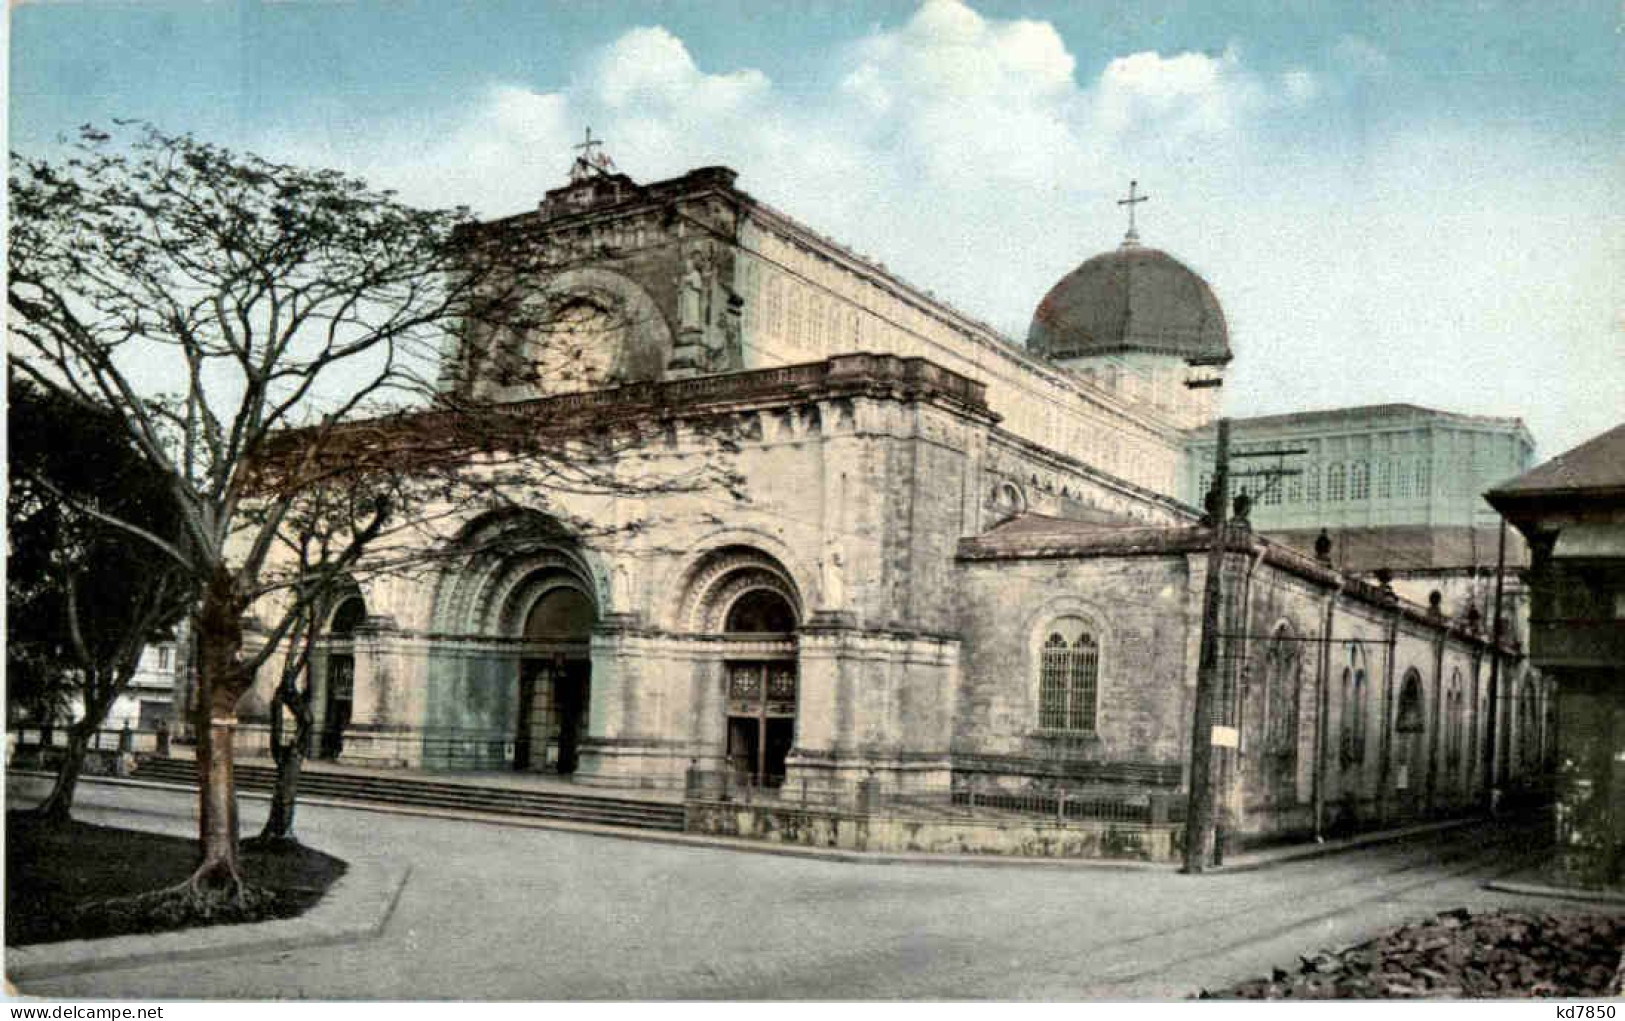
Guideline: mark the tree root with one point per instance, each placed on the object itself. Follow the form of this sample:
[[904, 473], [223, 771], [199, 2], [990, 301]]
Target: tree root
[[182, 906]]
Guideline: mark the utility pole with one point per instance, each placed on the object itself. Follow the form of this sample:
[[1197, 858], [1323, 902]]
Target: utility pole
[[1491, 760], [1199, 814]]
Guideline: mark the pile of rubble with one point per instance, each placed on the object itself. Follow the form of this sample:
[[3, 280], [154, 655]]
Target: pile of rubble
[[1499, 954]]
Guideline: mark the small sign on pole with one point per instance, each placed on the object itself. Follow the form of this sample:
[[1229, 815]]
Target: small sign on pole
[[1226, 737]]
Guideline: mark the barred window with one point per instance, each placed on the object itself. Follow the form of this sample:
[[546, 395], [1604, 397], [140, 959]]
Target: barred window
[[1385, 479], [1402, 478], [1281, 694], [1353, 709], [1457, 719], [1311, 483], [1334, 482], [1068, 676], [1359, 480], [1423, 480]]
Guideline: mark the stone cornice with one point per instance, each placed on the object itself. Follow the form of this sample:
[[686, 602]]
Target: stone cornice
[[452, 433], [1157, 541]]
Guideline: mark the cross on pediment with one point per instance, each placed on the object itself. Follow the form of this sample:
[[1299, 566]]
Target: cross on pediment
[[592, 159], [1133, 236]]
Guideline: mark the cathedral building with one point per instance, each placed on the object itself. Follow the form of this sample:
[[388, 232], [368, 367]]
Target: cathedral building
[[961, 563]]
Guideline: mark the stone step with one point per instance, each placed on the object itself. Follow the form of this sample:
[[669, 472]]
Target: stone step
[[410, 790]]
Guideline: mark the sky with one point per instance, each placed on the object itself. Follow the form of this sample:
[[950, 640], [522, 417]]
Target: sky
[[1393, 201]]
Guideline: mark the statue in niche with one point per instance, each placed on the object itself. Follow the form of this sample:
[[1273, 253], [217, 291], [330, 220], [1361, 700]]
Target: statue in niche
[[620, 590], [834, 571], [694, 298]]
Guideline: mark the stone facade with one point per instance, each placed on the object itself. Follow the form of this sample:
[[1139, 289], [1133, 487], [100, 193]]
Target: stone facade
[[957, 569]]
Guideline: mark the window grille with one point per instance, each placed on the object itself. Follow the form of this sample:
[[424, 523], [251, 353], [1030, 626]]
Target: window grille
[[1334, 482], [1311, 483], [1068, 676], [1281, 697], [1353, 723], [1359, 480], [1385, 479], [1403, 472], [1423, 479]]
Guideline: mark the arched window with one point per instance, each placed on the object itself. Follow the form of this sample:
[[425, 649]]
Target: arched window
[[1281, 695], [1410, 719], [1068, 677], [1359, 480], [760, 611], [1334, 482], [563, 614], [1311, 483], [1456, 719], [1353, 723], [347, 616]]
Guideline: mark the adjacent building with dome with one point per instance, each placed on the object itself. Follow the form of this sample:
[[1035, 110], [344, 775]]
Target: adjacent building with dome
[[965, 569]]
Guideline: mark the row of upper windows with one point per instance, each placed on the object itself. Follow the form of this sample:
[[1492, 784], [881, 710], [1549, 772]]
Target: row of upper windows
[[1340, 482], [1069, 697], [786, 322]]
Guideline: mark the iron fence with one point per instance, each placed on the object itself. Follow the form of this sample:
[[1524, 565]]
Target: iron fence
[[126, 739], [962, 798]]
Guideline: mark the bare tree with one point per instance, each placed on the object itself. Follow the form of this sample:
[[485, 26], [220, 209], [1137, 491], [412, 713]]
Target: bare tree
[[262, 331]]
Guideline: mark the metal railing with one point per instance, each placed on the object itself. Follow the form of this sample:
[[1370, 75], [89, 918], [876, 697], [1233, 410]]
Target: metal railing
[[125, 739], [962, 799]]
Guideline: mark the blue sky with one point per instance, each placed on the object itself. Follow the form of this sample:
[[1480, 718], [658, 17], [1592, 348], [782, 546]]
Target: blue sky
[[1393, 201]]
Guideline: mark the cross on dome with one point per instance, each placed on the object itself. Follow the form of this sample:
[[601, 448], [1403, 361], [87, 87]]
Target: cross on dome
[[1133, 236]]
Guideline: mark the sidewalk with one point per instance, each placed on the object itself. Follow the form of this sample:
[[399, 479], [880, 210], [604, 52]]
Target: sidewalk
[[359, 905]]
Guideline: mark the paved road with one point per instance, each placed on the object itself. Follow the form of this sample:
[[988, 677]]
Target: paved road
[[499, 912]]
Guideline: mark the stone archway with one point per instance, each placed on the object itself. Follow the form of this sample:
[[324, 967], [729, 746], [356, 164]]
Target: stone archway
[[510, 663], [555, 677], [750, 606], [338, 695]]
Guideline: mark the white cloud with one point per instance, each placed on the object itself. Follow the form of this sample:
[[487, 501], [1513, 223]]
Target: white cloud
[[649, 69], [969, 154]]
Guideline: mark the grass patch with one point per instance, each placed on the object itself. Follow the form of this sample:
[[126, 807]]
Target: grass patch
[[73, 880]]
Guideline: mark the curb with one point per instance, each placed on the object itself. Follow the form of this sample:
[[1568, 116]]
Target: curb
[[1557, 892], [357, 907], [1284, 856], [1248, 863]]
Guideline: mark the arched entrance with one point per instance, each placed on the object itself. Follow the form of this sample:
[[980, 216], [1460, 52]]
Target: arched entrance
[[338, 700], [554, 677], [509, 669], [761, 685]]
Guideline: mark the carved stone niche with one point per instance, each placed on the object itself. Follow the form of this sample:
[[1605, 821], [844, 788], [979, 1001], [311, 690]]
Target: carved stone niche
[[709, 315]]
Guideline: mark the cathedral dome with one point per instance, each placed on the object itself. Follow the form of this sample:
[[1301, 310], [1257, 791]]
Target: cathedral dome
[[1131, 299]]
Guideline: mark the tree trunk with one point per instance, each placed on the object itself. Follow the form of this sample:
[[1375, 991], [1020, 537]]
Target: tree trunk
[[290, 761], [221, 682], [58, 805]]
